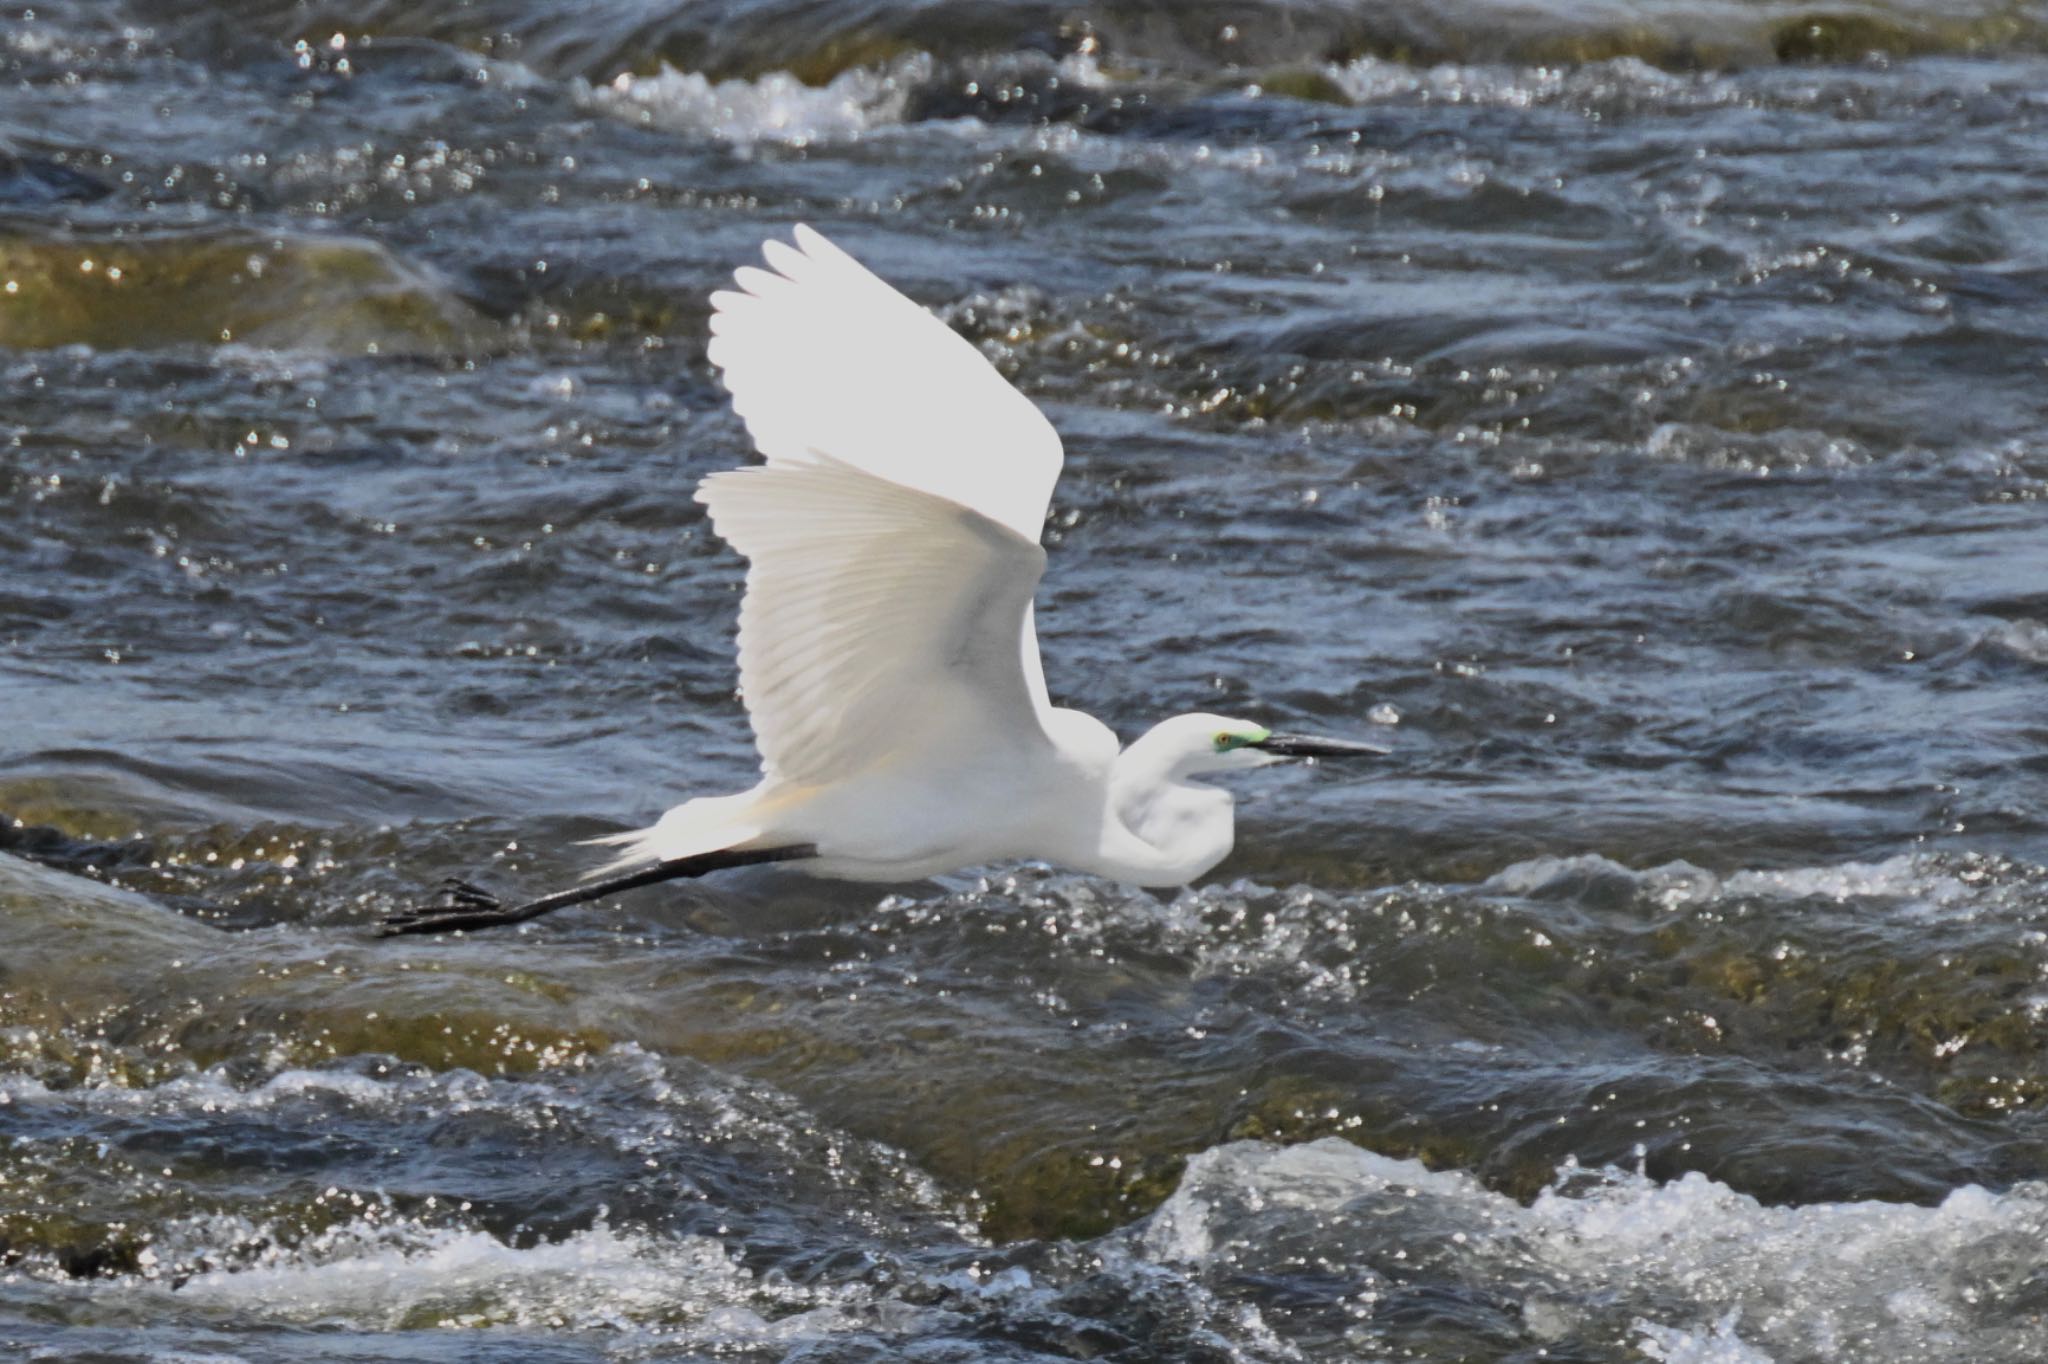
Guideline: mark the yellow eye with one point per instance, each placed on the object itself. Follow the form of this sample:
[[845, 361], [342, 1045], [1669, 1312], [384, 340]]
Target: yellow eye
[[1225, 741]]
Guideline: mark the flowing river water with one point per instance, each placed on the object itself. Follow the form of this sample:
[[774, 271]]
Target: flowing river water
[[1635, 414]]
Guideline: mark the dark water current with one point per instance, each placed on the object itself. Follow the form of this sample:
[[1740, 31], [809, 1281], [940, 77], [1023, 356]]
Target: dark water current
[[1636, 414]]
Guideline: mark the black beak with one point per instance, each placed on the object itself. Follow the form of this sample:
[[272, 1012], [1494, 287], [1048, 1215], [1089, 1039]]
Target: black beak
[[1307, 746]]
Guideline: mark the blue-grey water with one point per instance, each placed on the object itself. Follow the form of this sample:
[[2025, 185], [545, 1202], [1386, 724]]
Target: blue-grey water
[[1635, 415]]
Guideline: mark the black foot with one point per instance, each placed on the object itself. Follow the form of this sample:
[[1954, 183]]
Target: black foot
[[467, 894], [461, 906]]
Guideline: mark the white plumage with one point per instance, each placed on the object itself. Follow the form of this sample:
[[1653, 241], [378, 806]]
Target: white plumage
[[824, 359], [887, 651], [886, 647], [864, 597]]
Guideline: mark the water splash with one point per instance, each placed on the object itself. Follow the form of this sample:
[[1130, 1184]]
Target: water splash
[[777, 108], [1698, 1270]]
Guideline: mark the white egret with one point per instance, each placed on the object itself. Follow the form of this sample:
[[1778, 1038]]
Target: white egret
[[887, 652]]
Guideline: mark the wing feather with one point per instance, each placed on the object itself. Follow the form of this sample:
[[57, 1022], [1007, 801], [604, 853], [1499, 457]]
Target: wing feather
[[876, 617], [825, 359]]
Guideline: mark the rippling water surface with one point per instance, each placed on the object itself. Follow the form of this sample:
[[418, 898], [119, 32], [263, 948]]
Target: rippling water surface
[[1636, 415]]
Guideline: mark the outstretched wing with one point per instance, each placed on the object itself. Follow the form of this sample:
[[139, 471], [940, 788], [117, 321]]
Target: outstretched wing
[[824, 358], [879, 620]]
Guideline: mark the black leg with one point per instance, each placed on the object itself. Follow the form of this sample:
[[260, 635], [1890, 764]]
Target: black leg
[[464, 906]]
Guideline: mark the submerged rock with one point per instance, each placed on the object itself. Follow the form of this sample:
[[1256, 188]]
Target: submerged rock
[[296, 292]]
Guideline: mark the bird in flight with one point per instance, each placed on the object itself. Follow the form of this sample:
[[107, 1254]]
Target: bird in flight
[[887, 652]]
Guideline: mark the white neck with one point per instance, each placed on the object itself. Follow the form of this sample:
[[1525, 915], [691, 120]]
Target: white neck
[[1161, 827]]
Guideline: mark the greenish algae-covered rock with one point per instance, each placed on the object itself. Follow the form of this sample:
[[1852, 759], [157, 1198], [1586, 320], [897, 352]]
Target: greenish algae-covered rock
[[303, 292], [101, 984]]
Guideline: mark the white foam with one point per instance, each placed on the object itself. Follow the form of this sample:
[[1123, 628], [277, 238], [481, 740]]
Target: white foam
[[1906, 876], [1314, 1176], [376, 1275], [1371, 80], [1784, 450], [2026, 640], [1917, 882], [1540, 874], [1703, 1273], [215, 1091], [1716, 1343], [777, 108]]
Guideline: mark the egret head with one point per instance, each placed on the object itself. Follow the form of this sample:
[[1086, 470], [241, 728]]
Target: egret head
[[1217, 743]]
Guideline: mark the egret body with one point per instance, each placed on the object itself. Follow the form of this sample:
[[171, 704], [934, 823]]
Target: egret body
[[887, 651]]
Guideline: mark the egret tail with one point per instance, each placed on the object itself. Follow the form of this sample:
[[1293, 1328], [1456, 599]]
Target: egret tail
[[707, 824]]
